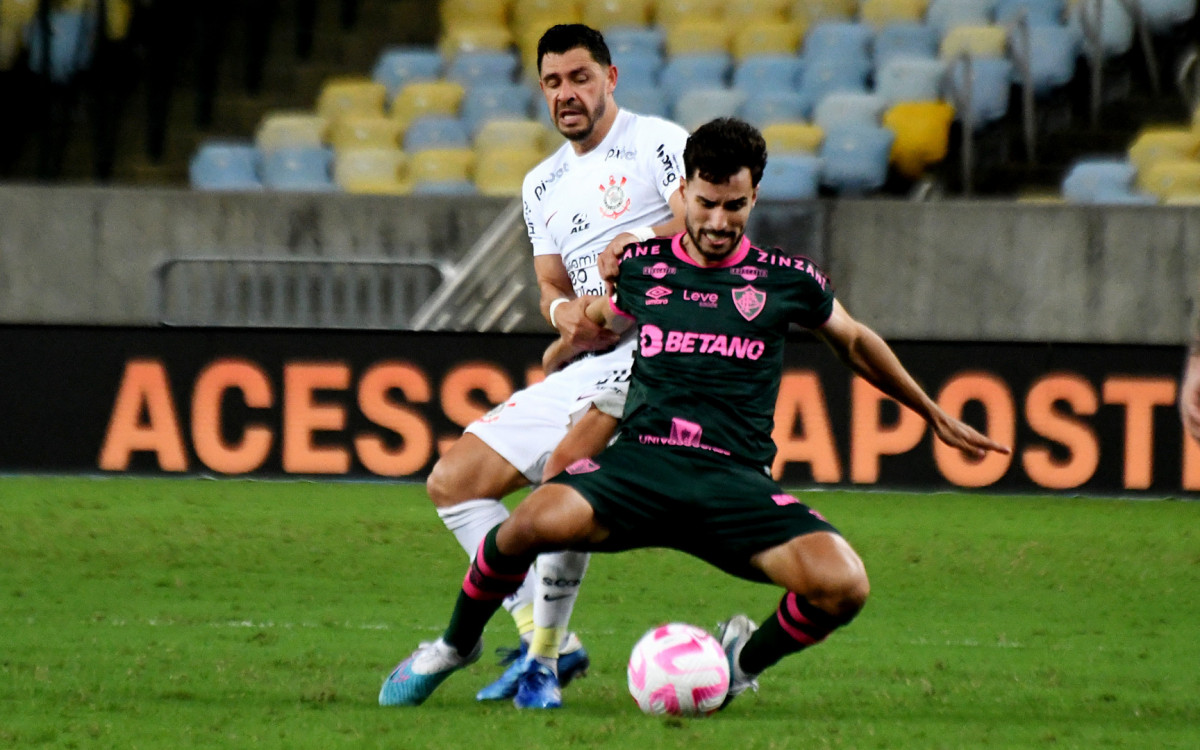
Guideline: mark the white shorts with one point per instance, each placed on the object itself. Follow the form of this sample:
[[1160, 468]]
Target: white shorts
[[527, 427]]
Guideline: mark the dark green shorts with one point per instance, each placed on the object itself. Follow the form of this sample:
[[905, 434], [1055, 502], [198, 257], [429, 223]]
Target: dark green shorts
[[701, 503]]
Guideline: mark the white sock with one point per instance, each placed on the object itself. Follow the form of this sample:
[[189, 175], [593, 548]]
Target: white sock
[[558, 577]]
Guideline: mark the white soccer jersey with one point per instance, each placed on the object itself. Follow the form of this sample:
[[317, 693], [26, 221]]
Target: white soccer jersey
[[575, 205]]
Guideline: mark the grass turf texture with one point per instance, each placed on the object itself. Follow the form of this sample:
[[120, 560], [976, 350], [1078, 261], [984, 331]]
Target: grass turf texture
[[192, 613]]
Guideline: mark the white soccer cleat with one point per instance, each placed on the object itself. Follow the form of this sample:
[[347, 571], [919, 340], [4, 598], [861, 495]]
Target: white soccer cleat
[[733, 634], [415, 678]]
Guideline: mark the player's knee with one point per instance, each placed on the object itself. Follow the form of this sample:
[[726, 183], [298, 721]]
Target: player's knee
[[842, 593]]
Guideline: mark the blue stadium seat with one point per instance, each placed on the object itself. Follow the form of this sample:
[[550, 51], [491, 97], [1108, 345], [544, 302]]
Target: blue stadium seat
[[1163, 15], [944, 15], [437, 131], [847, 40], [822, 77], [1038, 12], [476, 68], [990, 88], [695, 107], [905, 40], [638, 67], [225, 165], [766, 107], [842, 109], [790, 177], [72, 44], [700, 70], [910, 79], [448, 187], [635, 38], [397, 66], [1054, 51], [1114, 28], [768, 73], [854, 159], [645, 100], [302, 169], [495, 101], [1102, 180]]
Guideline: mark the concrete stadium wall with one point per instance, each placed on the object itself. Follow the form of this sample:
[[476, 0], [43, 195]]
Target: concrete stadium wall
[[975, 270]]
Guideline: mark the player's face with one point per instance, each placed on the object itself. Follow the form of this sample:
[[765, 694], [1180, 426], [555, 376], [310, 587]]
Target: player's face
[[715, 214], [577, 91]]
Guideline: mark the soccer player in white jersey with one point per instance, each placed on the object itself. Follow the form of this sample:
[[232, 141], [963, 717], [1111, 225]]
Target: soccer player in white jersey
[[615, 181]]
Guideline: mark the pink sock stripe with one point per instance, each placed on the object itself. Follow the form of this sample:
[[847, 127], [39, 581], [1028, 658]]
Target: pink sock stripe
[[487, 571], [794, 609], [794, 632], [479, 594]]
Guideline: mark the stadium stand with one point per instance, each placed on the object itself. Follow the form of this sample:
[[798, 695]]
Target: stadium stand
[[792, 137], [882, 13], [905, 40], [844, 108], [500, 171], [372, 170], [766, 38], [922, 135], [1101, 180], [696, 106], [609, 14], [439, 171], [435, 131], [225, 165], [757, 73], [854, 159], [365, 132], [764, 108], [298, 168], [288, 129], [397, 66], [790, 176]]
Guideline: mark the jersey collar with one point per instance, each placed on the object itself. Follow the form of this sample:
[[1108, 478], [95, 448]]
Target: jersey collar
[[737, 256]]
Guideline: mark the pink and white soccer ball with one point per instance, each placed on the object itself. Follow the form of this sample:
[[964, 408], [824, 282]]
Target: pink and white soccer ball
[[680, 670]]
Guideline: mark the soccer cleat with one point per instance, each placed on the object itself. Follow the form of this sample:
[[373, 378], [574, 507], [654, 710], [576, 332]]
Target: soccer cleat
[[415, 678], [538, 687], [733, 634], [572, 662]]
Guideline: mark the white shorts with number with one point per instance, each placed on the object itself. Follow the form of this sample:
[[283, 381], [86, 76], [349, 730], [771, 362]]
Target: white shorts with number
[[527, 427]]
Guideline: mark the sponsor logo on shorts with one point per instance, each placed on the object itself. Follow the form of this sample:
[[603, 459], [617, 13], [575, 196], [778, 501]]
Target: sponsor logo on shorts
[[654, 341], [685, 433], [583, 466], [658, 295], [659, 270]]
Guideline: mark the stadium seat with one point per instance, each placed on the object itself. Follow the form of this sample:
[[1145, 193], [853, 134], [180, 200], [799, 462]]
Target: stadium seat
[[697, 36], [823, 77], [790, 176], [474, 13], [854, 160], [1171, 178], [944, 15], [767, 107], [421, 98], [645, 100], [694, 107], [1161, 16], [768, 73], [1153, 144], [792, 138], [667, 13], [905, 40], [298, 169], [750, 11], [685, 72], [1051, 58], [882, 13], [1036, 12], [846, 41], [225, 165], [1090, 180], [633, 39], [514, 134], [910, 79], [500, 172], [527, 15], [977, 41], [378, 171], [397, 66], [358, 131], [14, 16], [765, 38], [1105, 21], [351, 96], [286, 129], [845, 108], [638, 67], [608, 14], [507, 101], [484, 68], [71, 47], [435, 131], [988, 88], [809, 12], [474, 38], [442, 171], [922, 132]]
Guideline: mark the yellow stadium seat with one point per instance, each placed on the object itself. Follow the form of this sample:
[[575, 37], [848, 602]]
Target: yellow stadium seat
[[667, 13], [809, 12], [288, 129], [526, 134], [542, 14], [474, 38], [1196, 119], [474, 13], [922, 135], [793, 137], [1171, 178], [697, 35], [750, 11], [118, 16], [501, 171], [379, 171], [880, 13], [766, 38], [604, 14], [976, 41], [441, 165], [1157, 144], [350, 96], [358, 131], [18, 12], [420, 98]]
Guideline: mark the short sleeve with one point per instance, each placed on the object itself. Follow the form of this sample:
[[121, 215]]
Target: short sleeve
[[661, 150], [535, 225]]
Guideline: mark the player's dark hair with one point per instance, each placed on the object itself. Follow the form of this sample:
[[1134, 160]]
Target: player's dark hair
[[718, 150], [565, 37]]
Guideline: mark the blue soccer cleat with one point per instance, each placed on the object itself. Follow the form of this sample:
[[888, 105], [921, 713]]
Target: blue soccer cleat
[[538, 687], [733, 634], [415, 678], [571, 664]]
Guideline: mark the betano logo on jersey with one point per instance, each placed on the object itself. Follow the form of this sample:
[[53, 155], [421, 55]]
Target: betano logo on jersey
[[654, 341], [615, 201]]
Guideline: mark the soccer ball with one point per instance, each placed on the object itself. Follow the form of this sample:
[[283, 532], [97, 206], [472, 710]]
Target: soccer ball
[[680, 670]]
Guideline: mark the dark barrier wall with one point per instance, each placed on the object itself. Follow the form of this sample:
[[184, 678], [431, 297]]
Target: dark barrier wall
[[1087, 418]]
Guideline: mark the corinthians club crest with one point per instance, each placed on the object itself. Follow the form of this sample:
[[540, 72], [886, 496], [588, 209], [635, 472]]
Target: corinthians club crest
[[749, 301], [615, 201]]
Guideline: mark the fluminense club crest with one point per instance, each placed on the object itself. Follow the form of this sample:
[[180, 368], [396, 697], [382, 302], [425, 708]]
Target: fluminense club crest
[[615, 201], [749, 301]]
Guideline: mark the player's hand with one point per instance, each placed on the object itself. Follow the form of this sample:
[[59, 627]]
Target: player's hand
[[959, 434], [609, 262], [578, 330], [1189, 396]]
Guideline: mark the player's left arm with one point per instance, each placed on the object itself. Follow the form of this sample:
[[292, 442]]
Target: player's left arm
[[609, 261], [868, 355]]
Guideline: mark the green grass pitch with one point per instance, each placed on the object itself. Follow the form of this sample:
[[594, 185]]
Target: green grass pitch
[[138, 613]]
